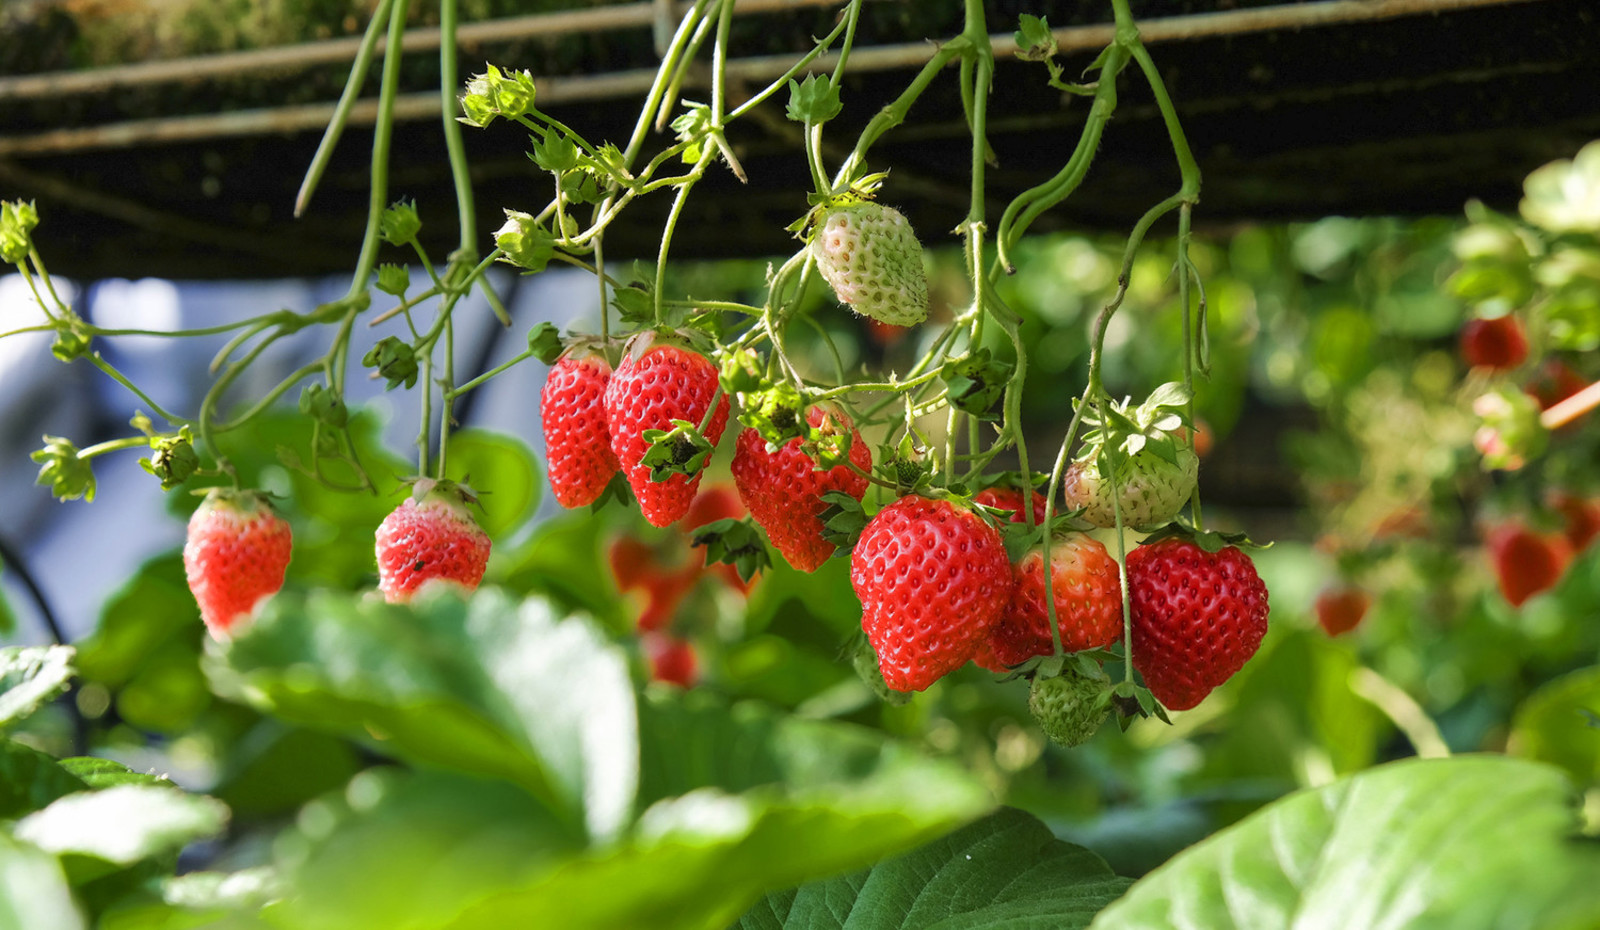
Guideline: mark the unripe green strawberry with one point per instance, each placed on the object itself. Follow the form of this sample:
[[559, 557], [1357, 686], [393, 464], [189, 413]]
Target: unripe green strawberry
[[1198, 616], [663, 383], [784, 489], [870, 255], [932, 578], [1088, 596], [430, 537], [1069, 708], [577, 442], [1150, 491], [235, 556]]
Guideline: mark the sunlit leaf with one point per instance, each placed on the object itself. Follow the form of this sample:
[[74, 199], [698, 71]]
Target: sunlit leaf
[[123, 824], [31, 676], [33, 891]]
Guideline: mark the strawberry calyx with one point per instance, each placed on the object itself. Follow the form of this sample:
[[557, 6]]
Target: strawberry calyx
[[1212, 541]]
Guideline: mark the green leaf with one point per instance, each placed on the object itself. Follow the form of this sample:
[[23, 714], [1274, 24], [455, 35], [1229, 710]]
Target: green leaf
[[123, 824], [553, 151], [274, 769], [1464, 843], [1034, 40], [33, 891], [1006, 870], [487, 686], [30, 676], [98, 773], [503, 473], [29, 780], [682, 450], [1560, 724], [815, 101]]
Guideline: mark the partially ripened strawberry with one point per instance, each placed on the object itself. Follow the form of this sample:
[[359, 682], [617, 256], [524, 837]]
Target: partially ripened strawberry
[[1149, 491], [932, 578], [1088, 599], [1198, 616], [235, 556], [1497, 344], [871, 257], [1341, 607], [430, 537], [663, 383], [577, 442], [1526, 562], [1002, 498], [783, 488]]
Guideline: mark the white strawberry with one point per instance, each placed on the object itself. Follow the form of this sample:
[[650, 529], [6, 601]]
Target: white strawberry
[[871, 257]]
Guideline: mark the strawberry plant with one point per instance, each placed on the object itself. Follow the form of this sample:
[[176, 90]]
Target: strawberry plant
[[634, 715]]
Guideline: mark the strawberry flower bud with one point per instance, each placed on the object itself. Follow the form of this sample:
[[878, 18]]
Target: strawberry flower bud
[[68, 475]]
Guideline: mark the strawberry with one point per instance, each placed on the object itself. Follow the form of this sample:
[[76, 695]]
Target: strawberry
[[649, 390], [1088, 596], [430, 537], [1002, 498], [1554, 382], [1149, 492], [1497, 344], [718, 502], [1341, 607], [1526, 562], [1071, 707], [783, 488], [933, 579], [235, 556], [672, 660], [873, 260], [1580, 519], [577, 442], [1198, 616]]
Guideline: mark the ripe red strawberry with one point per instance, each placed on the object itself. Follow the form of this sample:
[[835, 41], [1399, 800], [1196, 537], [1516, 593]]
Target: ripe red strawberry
[[871, 257], [1088, 596], [1526, 562], [672, 660], [664, 383], [784, 489], [1341, 607], [932, 578], [235, 556], [577, 442], [1010, 499], [1149, 494], [430, 537], [1554, 382], [1198, 616], [1498, 344]]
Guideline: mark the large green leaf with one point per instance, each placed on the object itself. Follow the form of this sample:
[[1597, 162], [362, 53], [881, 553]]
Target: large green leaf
[[1557, 724], [1463, 843], [407, 852], [1005, 871], [123, 824], [33, 890], [487, 686], [30, 676], [29, 780]]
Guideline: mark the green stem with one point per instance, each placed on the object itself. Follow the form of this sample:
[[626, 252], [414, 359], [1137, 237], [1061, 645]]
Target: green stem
[[382, 134], [110, 370], [672, 224], [466, 386], [895, 113], [347, 100], [459, 172], [113, 445], [289, 381], [445, 397]]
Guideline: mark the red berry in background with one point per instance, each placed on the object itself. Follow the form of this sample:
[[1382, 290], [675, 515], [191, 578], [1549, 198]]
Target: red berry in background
[[1498, 344], [1580, 519], [235, 556], [718, 502], [1011, 499], [1341, 607], [1554, 382], [664, 383], [1198, 616], [631, 562], [577, 441], [933, 579], [784, 489], [1526, 562], [672, 660], [430, 537], [1088, 597], [664, 590]]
